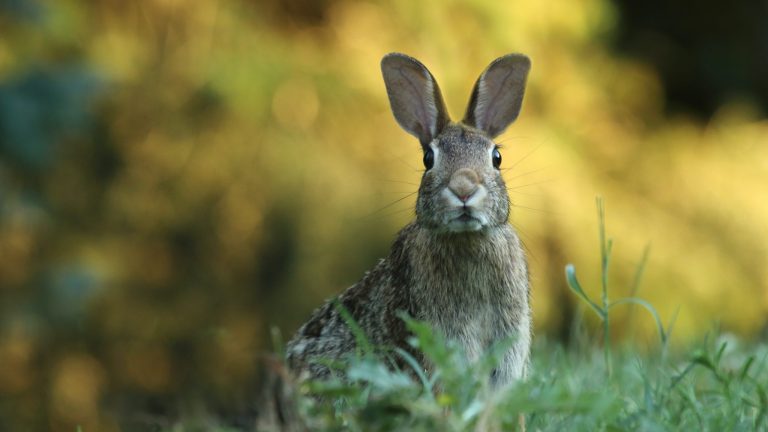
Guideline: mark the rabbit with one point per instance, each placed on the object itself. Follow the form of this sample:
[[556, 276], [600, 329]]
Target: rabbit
[[459, 266]]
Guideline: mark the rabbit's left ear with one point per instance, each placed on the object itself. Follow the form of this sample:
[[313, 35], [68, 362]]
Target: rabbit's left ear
[[498, 94]]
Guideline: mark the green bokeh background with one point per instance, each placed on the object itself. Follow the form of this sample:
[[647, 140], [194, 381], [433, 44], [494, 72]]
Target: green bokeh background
[[177, 177]]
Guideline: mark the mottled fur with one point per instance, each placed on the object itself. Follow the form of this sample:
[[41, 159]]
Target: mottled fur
[[460, 265]]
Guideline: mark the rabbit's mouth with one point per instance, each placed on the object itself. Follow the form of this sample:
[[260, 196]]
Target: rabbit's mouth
[[465, 218], [465, 222]]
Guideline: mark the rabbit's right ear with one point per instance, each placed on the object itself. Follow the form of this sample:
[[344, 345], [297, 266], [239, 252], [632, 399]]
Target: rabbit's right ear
[[414, 97]]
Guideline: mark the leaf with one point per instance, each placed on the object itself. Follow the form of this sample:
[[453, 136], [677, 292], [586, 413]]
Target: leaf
[[640, 271], [417, 368], [573, 283], [647, 306], [377, 374], [474, 408], [361, 338], [746, 367]]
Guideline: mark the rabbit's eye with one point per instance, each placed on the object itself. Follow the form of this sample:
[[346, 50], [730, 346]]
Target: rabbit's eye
[[496, 158], [429, 159]]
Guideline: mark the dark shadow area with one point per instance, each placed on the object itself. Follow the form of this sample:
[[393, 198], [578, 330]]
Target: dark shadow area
[[706, 52]]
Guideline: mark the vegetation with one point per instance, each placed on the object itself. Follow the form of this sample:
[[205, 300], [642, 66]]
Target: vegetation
[[718, 384]]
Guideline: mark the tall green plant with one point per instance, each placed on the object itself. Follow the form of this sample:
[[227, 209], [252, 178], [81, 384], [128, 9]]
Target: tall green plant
[[602, 310]]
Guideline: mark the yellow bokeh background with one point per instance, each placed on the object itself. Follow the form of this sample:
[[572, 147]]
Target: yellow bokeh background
[[259, 171]]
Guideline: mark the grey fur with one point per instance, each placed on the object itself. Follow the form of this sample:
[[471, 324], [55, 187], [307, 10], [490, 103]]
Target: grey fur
[[460, 265]]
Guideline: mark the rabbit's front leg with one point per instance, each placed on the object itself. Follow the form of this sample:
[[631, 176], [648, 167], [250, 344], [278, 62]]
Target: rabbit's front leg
[[514, 364]]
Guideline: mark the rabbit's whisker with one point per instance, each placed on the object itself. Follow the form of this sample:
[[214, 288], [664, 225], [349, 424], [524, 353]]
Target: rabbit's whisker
[[404, 161], [523, 174], [380, 216], [401, 182], [514, 164], [530, 194], [511, 188], [390, 204], [548, 212], [392, 213]]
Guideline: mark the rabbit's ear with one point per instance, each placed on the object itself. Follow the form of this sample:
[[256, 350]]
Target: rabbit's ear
[[498, 94], [414, 97]]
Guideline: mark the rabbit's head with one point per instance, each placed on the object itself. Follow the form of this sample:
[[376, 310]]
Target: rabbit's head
[[462, 188]]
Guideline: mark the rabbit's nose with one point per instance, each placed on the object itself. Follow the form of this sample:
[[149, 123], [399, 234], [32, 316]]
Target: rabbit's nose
[[464, 183]]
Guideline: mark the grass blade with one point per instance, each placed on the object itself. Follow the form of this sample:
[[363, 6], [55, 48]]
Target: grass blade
[[649, 308]]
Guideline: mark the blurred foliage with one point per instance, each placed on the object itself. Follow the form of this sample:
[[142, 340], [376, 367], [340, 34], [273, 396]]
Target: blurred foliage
[[177, 176]]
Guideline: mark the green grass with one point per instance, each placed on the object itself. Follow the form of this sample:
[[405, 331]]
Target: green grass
[[718, 384]]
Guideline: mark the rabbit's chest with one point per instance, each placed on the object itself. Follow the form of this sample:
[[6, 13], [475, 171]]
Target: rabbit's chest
[[473, 316], [475, 292], [475, 330]]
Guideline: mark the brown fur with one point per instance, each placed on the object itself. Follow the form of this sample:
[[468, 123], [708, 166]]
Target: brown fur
[[459, 266]]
